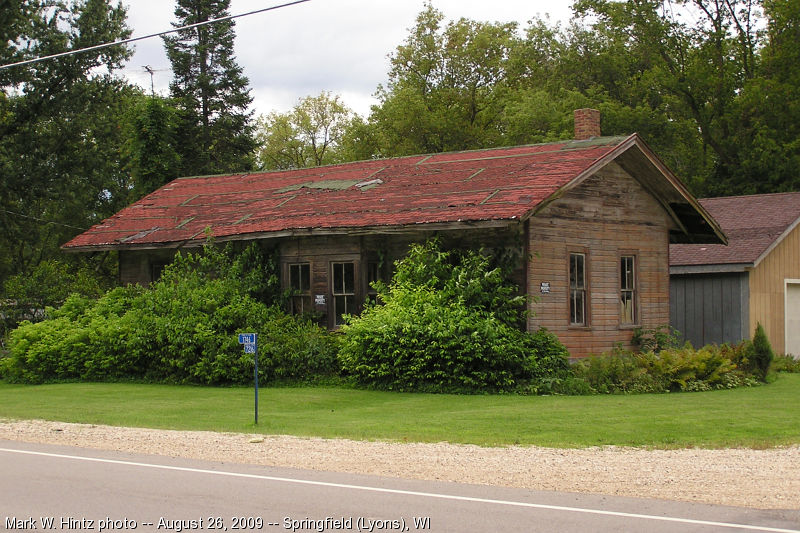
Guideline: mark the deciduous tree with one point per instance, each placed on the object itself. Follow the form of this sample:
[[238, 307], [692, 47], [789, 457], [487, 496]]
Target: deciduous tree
[[59, 125], [309, 135], [445, 86]]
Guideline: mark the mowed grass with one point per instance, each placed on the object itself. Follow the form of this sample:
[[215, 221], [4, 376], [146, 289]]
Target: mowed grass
[[756, 417]]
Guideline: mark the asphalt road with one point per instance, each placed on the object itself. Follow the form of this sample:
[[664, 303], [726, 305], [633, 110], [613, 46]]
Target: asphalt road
[[76, 489]]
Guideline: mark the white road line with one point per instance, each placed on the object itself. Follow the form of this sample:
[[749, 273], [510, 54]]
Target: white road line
[[410, 493]]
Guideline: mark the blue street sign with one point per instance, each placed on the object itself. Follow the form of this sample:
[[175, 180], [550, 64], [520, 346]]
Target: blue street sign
[[247, 338], [249, 348]]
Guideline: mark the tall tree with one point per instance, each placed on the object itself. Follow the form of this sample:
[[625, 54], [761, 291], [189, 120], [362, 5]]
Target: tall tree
[[211, 89], [694, 70], [444, 86], [59, 126], [768, 108], [151, 147]]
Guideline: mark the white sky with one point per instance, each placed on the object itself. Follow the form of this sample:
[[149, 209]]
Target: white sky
[[341, 46]]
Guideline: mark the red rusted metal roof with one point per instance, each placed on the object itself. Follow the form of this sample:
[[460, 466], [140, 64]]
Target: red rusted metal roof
[[484, 185], [754, 224]]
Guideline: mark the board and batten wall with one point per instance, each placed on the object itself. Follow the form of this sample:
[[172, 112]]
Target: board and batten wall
[[605, 217], [725, 307], [710, 308]]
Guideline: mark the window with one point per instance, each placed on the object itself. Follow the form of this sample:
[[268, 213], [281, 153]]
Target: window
[[156, 269], [627, 290], [300, 283], [373, 274], [577, 289], [344, 296]]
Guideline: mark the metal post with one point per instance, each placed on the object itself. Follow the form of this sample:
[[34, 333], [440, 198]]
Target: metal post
[[256, 376], [250, 342]]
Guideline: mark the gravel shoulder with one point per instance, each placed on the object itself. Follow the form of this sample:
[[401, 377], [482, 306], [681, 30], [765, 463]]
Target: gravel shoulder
[[763, 479]]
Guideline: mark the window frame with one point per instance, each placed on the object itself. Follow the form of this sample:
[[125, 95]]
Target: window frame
[[584, 291], [157, 270], [343, 294], [303, 297], [634, 291], [373, 272]]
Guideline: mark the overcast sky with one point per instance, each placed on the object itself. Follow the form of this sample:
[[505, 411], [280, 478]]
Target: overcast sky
[[341, 46]]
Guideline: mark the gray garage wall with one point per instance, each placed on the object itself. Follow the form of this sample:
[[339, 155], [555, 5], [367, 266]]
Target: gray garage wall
[[710, 308]]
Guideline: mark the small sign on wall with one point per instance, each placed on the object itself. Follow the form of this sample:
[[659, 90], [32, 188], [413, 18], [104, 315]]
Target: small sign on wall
[[319, 299], [545, 287]]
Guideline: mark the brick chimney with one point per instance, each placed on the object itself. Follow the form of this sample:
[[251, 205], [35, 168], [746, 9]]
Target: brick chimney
[[587, 123]]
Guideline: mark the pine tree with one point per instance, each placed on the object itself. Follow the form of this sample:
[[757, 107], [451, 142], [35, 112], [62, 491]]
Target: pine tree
[[211, 90]]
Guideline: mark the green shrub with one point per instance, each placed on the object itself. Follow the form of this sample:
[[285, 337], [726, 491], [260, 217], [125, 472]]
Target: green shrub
[[760, 353], [671, 370], [656, 339], [447, 323], [182, 329], [616, 372], [786, 363]]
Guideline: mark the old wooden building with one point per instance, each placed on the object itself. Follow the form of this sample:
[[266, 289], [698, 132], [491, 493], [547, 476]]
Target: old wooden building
[[719, 293], [591, 218]]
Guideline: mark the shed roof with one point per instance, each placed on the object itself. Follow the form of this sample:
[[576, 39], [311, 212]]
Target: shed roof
[[754, 224], [494, 186]]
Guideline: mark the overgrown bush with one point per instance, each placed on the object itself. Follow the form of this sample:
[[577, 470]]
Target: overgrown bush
[[786, 363], [183, 329], [670, 370], [656, 339], [447, 323]]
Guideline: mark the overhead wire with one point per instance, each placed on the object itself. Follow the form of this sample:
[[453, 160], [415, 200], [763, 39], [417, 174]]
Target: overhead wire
[[41, 219], [159, 34]]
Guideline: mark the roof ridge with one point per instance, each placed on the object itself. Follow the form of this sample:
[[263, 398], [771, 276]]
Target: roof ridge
[[575, 144], [755, 195]]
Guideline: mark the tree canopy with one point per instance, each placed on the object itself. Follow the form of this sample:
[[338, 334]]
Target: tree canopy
[[711, 85], [312, 134], [59, 126]]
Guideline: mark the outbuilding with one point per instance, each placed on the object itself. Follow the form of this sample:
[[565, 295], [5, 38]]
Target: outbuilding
[[591, 220], [719, 293]]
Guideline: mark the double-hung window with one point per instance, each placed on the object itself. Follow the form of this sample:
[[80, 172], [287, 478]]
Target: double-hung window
[[577, 289], [300, 283], [627, 290], [373, 275], [156, 269], [344, 291]]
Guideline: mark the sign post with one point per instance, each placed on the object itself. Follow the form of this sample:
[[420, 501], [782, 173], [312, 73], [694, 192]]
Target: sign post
[[250, 342]]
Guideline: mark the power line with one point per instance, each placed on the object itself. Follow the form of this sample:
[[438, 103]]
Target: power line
[[41, 219], [133, 39]]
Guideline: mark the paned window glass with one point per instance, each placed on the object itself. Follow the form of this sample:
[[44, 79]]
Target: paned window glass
[[344, 295], [627, 286], [577, 289], [300, 283]]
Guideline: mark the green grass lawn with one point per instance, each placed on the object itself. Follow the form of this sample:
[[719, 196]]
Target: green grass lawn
[[758, 417]]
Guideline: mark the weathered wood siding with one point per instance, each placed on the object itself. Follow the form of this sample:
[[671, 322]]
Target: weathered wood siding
[[322, 251], [767, 289], [608, 215], [710, 308], [142, 266]]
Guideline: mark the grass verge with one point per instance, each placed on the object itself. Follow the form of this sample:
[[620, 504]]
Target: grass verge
[[757, 417]]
